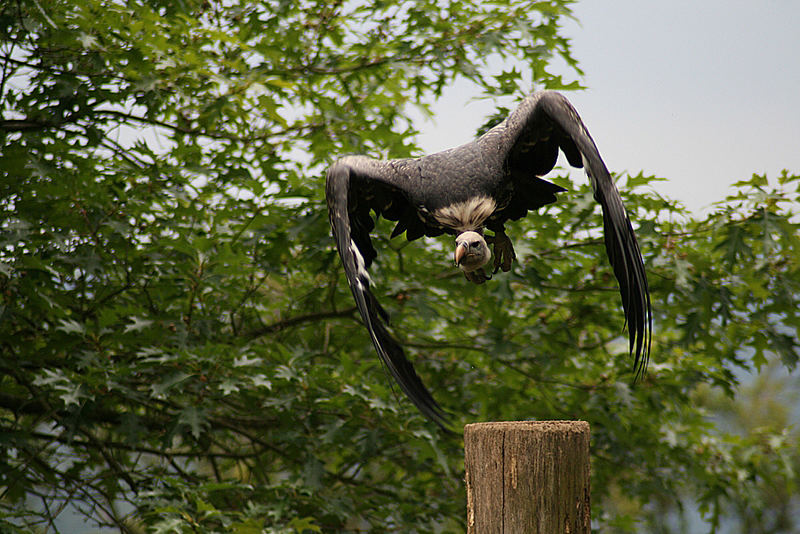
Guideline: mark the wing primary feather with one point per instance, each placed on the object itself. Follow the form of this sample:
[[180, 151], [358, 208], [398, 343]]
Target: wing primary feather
[[622, 248], [338, 185]]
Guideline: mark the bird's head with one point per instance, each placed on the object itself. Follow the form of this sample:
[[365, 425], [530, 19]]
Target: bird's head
[[472, 252]]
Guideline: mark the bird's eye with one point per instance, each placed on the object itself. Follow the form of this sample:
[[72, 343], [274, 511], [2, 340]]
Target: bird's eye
[[475, 244]]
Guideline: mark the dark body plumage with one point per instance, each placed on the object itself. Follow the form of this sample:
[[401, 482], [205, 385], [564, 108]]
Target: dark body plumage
[[481, 184]]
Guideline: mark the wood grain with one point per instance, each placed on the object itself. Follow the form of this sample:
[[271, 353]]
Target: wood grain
[[527, 477]]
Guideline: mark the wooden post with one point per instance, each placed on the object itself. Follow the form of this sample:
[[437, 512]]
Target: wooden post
[[527, 477]]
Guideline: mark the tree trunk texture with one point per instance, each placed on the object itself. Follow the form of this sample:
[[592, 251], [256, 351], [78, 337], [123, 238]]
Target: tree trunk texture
[[527, 477]]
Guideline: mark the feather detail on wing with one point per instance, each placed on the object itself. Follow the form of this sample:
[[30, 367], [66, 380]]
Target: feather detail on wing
[[535, 118], [351, 243]]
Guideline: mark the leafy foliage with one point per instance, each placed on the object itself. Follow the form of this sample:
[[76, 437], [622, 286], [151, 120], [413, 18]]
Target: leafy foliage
[[180, 352]]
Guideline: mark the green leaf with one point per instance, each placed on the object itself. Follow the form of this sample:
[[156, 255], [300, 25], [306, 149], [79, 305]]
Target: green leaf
[[195, 419], [161, 388], [303, 525], [71, 327]]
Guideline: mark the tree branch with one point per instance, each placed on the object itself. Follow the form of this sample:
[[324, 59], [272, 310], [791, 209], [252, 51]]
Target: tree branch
[[300, 319]]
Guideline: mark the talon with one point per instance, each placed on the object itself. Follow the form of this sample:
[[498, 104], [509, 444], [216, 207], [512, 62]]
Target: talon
[[504, 253], [478, 276]]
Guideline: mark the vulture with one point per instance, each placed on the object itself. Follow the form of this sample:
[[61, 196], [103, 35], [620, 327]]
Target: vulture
[[465, 191]]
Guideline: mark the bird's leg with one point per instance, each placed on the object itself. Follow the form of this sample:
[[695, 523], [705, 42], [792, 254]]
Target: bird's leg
[[503, 251], [478, 276]]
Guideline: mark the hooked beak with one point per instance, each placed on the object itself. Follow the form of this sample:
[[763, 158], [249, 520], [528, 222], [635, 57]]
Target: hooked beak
[[461, 251]]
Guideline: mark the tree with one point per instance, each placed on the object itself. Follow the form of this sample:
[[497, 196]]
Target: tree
[[179, 348]]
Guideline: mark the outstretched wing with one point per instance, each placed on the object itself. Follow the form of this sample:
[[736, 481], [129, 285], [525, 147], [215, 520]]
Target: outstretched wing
[[529, 139], [353, 187]]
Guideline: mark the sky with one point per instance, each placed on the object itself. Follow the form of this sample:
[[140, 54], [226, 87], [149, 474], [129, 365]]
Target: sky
[[702, 93]]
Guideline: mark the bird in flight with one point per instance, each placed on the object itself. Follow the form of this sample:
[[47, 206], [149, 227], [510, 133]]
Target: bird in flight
[[465, 191]]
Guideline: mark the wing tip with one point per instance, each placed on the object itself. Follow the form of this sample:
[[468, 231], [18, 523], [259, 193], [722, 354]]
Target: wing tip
[[400, 368], [641, 322], [644, 350]]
